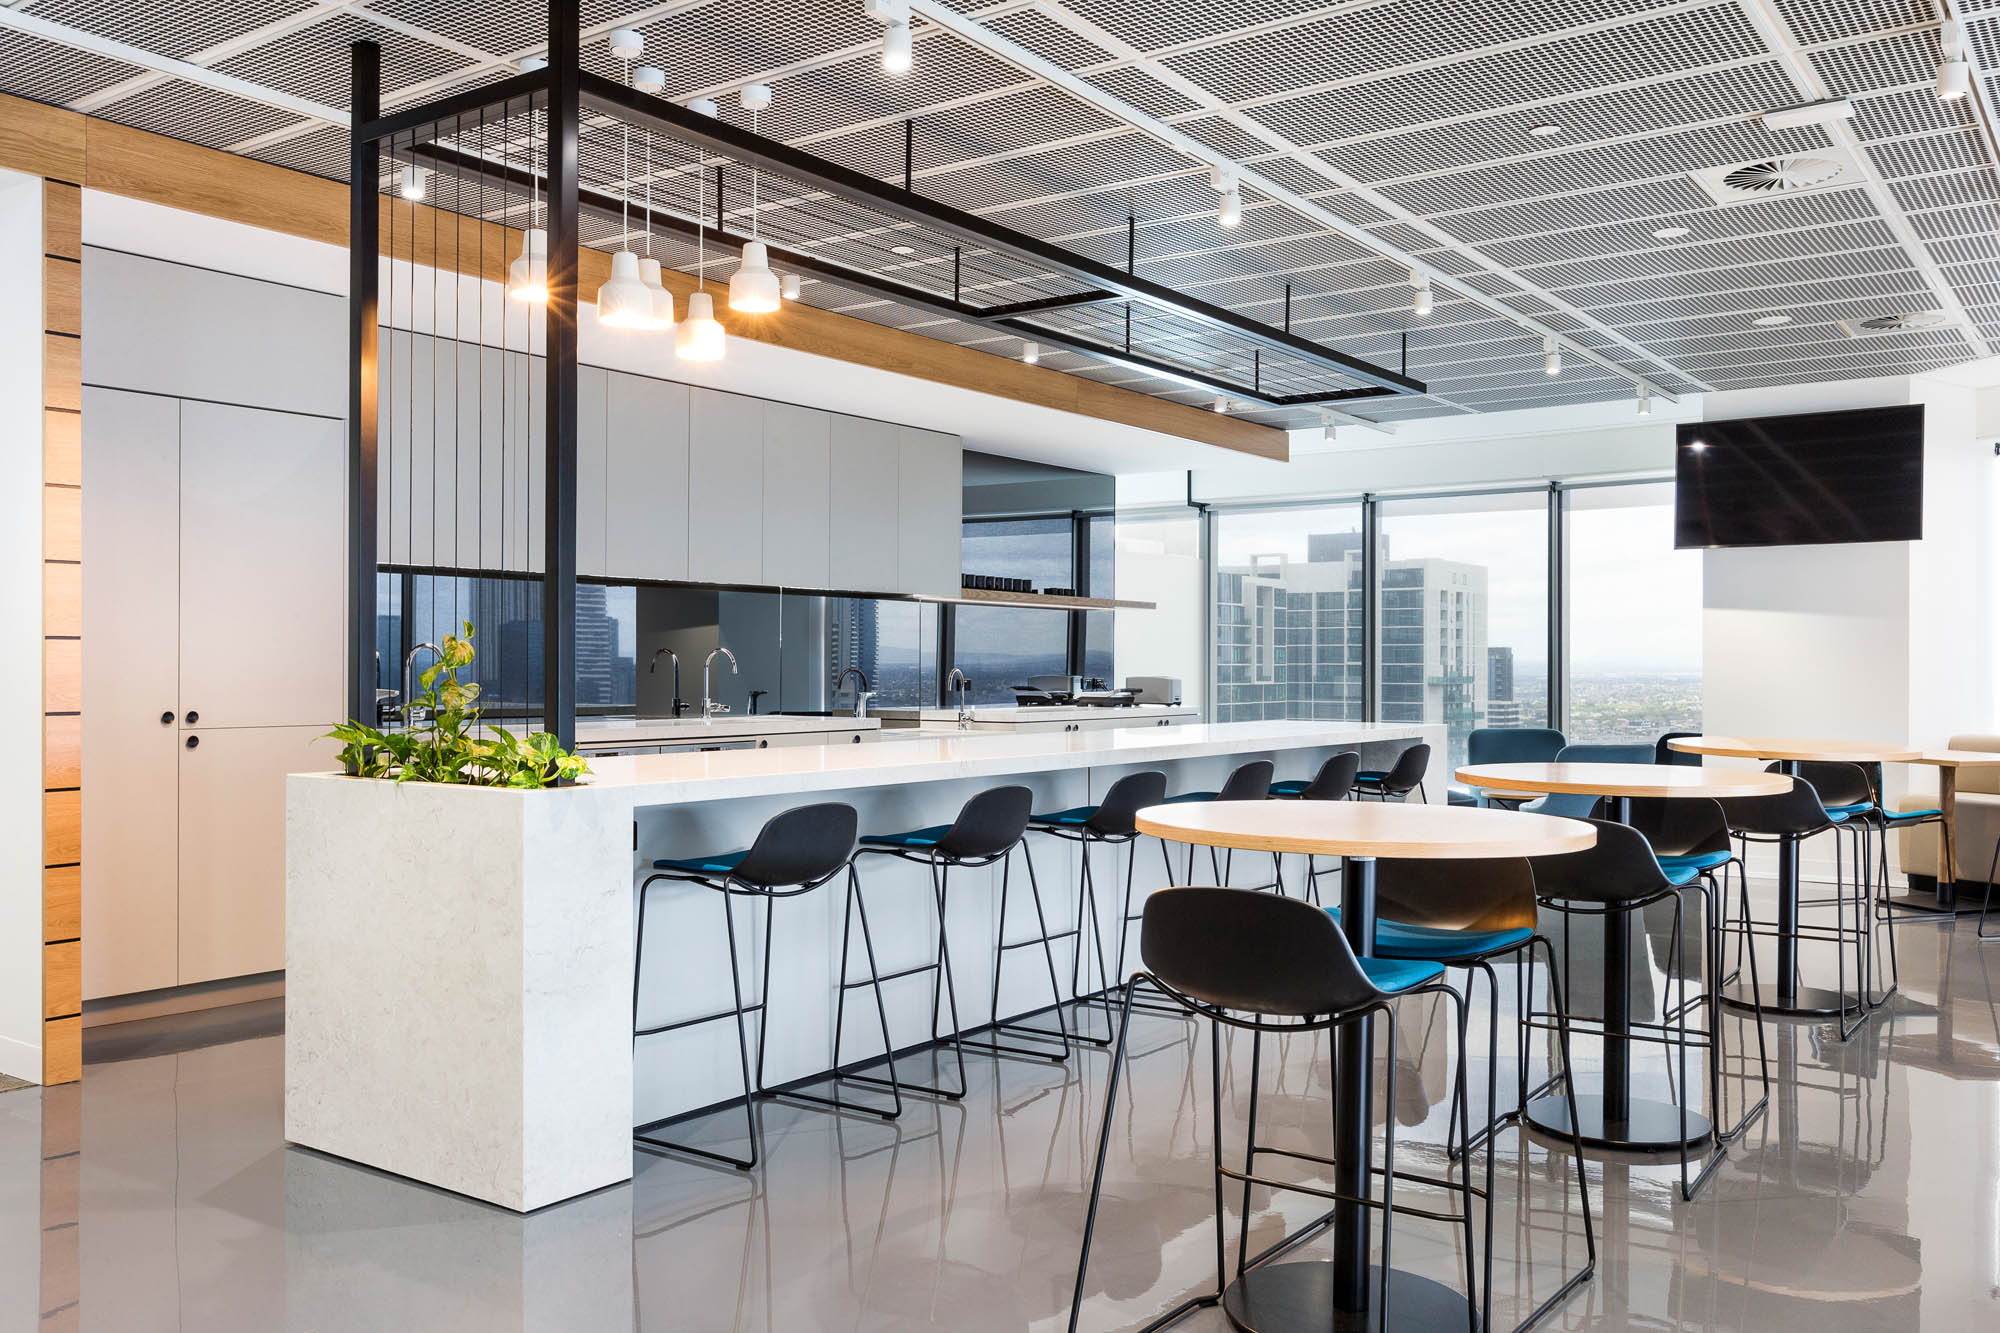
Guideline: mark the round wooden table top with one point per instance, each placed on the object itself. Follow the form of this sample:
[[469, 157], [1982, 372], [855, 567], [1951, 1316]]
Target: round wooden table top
[[1957, 758], [1623, 780], [1391, 829], [1792, 747]]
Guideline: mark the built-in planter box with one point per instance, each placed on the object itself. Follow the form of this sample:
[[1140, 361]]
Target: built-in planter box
[[459, 984]]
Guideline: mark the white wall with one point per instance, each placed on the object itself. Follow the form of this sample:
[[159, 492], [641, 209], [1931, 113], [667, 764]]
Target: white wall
[[1159, 559], [21, 626]]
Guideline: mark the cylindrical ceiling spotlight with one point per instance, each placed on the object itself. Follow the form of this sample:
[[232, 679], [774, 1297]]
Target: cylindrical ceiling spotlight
[[789, 286], [1552, 357], [1221, 405], [896, 48], [1954, 76], [1031, 353], [1421, 301], [704, 106], [626, 43], [413, 183], [649, 79], [1229, 196], [1645, 401]]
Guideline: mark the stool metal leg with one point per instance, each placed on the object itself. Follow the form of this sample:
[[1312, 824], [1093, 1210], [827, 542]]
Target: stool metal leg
[[855, 907], [1062, 1033]]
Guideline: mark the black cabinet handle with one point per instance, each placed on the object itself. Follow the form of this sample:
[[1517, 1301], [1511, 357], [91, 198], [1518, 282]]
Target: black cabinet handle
[[193, 741], [167, 718], [193, 717]]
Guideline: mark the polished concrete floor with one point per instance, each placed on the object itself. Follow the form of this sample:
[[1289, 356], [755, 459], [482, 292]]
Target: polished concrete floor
[[159, 1195]]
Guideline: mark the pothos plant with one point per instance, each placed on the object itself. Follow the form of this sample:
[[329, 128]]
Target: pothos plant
[[437, 744]]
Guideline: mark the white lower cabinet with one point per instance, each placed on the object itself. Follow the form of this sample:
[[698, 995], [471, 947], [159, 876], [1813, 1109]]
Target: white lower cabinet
[[232, 845]]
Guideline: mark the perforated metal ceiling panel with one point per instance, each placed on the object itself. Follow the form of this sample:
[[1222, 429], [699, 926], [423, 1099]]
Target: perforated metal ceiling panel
[[1411, 122]]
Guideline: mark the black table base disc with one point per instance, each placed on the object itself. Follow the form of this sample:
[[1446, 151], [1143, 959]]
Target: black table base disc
[[1806, 1002], [1298, 1298], [1649, 1126]]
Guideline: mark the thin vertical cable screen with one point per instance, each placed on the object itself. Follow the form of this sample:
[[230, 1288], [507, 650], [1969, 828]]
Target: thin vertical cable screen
[[461, 442]]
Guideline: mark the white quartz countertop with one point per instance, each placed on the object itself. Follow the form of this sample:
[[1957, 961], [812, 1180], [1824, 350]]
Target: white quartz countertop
[[1010, 714], [632, 781], [604, 731]]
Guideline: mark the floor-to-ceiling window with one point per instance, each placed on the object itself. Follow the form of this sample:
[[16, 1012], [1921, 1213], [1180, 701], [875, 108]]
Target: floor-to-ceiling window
[[1465, 613], [1634, 617], [1287, 614]]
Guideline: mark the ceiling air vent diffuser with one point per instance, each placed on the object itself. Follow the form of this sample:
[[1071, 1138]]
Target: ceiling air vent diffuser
[[1772, 177], [1905, 323]]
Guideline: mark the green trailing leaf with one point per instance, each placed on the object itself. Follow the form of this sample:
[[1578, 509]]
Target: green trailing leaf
[[437, 743]]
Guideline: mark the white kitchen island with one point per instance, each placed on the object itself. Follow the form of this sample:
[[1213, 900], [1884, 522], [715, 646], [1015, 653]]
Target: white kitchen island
[[460, 960]]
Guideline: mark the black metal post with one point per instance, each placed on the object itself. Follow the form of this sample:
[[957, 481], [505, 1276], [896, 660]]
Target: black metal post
[[364, 241], [1371, 610], [1558, 654], [559, 517], [1353, 1116]]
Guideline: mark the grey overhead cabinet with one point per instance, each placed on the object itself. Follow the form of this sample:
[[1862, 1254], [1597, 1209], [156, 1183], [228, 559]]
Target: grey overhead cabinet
[[215, 536], [725, 488], [930, 512], [646, 478], [798, 510], [866, 459]]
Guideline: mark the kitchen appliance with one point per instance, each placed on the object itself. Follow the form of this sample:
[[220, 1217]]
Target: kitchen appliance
[[1155, 689], [1070, 692]]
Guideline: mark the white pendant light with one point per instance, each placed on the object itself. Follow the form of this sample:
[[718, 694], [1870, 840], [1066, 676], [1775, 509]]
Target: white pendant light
[[789, 286], [1645, 401], [1421, 302], [753, 289], [1031, 353], [649, 79], [896, 48], [528, 275], [699, 337], [624, 302], [662, 316], [704, 106], [1552, 357], [413, 184]]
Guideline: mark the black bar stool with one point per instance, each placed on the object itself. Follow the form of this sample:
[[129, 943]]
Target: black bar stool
[[1270, 964], [1789, 818], [1851, 798], [1248, 781], [1611, 880], [1472, 914], [1112, 821], [988, 828], [794, 853], [1401, 778], [1333, 782]]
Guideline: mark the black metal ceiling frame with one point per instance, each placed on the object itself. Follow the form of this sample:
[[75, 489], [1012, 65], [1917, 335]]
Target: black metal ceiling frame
[[416, 133]]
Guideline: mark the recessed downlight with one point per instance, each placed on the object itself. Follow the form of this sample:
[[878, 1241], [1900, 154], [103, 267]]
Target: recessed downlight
[[902, 249], [1547, 130], [1670, 233], [1769, 321]]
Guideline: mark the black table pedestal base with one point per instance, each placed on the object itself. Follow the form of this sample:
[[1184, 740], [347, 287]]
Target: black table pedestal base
[[1805, 1002], [1649, 1126], [1298, 1298]]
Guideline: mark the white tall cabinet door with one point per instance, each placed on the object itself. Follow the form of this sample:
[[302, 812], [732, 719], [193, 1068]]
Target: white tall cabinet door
[[131, 620], [864, 488], [263, 567], [646, 478], [232, 845], [929, 549], [797, 508], [590, 463], [725, 487]]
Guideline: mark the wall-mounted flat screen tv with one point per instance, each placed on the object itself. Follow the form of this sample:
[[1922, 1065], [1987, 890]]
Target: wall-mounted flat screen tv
[[1802, 480]]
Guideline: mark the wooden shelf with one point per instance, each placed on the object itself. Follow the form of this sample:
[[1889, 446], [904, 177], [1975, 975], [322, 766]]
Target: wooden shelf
[[994, 597]]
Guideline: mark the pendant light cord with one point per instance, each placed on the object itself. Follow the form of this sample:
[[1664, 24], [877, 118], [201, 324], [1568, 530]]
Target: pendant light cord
[[625, 177], [754, 115]]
